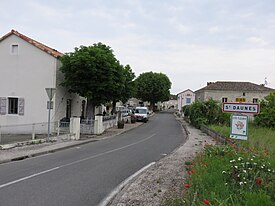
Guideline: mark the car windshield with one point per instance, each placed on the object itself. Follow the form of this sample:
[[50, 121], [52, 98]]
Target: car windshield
[[141, 111]]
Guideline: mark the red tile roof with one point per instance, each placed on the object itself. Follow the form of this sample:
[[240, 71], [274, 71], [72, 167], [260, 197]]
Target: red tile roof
[[235, 86], [37, 44]]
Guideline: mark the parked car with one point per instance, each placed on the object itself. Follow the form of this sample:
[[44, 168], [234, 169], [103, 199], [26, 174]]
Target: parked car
[[142, 114]]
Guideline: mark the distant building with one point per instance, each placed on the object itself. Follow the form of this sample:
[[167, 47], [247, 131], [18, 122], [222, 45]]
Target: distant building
[[226, 91], [186, 97]]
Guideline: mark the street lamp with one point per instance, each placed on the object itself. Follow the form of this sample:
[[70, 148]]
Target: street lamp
[[50, 93]]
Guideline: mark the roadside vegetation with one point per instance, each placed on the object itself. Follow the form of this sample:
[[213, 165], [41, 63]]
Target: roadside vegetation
[[236, 173]]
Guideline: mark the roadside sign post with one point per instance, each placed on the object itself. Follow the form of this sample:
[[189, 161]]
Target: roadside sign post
[[239, 127], [50, 93], [239, 121]]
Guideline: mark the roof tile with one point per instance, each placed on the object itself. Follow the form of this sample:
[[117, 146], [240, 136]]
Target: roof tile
[[37, 44]]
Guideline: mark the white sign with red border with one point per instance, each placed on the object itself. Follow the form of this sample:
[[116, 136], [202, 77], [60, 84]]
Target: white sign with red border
[[247, 108]]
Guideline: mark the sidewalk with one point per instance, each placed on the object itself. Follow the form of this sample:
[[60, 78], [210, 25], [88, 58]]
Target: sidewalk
[[26, 151]]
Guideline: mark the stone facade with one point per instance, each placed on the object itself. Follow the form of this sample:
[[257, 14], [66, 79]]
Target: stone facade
[[233, 92]]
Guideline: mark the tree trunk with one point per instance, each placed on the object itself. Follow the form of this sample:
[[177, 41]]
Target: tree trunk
[[90, 109], [114, 106], [152, 106]]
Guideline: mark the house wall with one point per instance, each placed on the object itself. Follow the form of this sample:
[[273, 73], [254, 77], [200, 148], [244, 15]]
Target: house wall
[[231, 95], [182, 98], [26, 75]]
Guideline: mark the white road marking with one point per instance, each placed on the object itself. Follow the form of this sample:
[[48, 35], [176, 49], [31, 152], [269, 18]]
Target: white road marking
[[75, 162], [106, 200], [28, 177]]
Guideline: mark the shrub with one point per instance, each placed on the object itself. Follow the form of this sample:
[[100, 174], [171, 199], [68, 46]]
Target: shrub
[[266, 117]]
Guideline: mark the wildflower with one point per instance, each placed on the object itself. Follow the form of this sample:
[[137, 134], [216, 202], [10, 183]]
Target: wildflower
[[255, 163], [186, 185], [240, 158], [258, 181], [241, 183], [247, 163], [232, 161], [244, 171], [223, 172], [206, 202], [193, 171], [269, 170], [236, 167]]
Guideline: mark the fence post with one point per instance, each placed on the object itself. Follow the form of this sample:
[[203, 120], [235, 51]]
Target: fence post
[[98, 126], [58, 128], [33, 131], [75, 128]]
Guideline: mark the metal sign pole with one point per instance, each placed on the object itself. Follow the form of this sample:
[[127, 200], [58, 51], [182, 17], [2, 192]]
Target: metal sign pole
[[50, 92]]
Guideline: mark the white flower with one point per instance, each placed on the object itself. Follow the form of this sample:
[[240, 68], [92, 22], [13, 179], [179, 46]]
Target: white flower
[[244, 182], [251, 159], [269, 170], [255, 163], [241, 183], [232, 161], [240, 158], [244, 171], [247, 163], [223, 172], [236, 167], [262, 167]]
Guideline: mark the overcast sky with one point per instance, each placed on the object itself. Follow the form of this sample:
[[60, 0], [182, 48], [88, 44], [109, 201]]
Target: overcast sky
[[191, 41]]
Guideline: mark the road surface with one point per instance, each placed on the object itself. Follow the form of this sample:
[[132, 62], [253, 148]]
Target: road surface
[[85, 175]]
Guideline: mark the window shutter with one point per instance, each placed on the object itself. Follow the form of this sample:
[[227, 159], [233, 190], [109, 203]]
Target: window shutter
[[3, 105], [21, 105]]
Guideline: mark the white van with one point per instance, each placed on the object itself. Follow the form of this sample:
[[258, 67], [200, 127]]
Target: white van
[[142, 114]]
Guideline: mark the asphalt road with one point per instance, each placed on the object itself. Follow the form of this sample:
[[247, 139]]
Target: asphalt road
[[85, 175]]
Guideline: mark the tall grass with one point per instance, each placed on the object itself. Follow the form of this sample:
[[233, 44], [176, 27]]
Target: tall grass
[[258, 137]]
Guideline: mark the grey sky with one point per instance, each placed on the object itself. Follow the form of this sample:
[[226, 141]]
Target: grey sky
[[192, 41]]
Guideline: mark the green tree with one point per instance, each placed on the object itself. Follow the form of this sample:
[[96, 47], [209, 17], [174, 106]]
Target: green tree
[[127, 86], [153, 87], [92, 72], [266, 118]]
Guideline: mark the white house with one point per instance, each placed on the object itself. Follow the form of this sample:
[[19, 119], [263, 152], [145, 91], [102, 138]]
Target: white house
[[27, 67], [185, 97]]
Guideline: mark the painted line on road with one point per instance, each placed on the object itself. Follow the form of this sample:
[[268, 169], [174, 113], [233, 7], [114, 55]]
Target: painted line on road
[[107, 200], [75, 162], [28, 177], [108, 152]]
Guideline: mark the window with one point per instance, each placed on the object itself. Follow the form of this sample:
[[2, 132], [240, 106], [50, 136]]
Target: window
[[243, 93], [255, 100], [188, 100], [14, 49], [224, 99], [13, 105]]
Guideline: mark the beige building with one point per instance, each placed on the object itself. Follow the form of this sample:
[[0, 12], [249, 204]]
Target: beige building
[[224, 91]]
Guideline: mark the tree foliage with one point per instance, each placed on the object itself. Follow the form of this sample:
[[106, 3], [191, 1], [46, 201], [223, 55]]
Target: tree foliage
[[153, 87], [95, 73], [266, 118]]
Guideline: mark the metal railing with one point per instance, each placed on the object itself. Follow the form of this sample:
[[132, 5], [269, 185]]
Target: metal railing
[[28, 132]]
